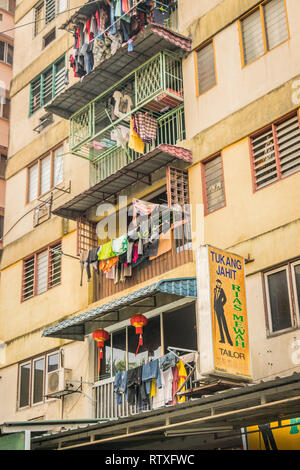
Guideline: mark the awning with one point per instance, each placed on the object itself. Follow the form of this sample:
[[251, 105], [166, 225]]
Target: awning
[[168, 290], [153, 39], [138, 170]]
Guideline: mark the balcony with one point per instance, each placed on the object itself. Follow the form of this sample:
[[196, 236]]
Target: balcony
[[156, 88]]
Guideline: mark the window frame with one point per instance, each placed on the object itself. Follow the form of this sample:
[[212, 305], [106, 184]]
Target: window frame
[[38, 162], [276, 150], [260, 7], [31, 362], [41, 79], [203, 179], [5, 52], [35, 272], [294, 287], [198, 94], [294, 308]]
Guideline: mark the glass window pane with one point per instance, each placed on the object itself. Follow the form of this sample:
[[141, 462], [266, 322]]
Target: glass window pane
[[2, 44], [10, 53], [119, 351], [45, 174], [24, 384], [184, 335], [279, 301], [42, 274], [151, 343], [33, 183], [58, 165], [38, 380], [297, 278], [53, 362]]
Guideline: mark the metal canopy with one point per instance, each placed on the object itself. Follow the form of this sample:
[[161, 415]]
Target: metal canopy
[[77, 327], [153, 39], [253, 404], [138, 170]]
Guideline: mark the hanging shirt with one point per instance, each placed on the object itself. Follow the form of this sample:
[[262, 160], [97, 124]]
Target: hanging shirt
[[123, 104], [163, 395], [105, 251], [182, 375], [121, 135]]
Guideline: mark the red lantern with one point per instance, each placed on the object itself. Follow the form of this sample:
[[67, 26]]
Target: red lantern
[[138, 321], [100, 336]]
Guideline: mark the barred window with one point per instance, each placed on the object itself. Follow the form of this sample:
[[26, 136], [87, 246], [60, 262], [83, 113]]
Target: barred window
[[45, 87], [41, 271], [44, 13], [276, 151], [263, 29]]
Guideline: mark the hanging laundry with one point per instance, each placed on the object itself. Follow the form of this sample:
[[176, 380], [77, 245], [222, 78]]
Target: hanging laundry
[[119, 245], [135, 142], [146, 127], [182, 375], [151, 371], [105, 251], [142, 208], [120, 386], [121, 135], [123, 104], [108, 264]]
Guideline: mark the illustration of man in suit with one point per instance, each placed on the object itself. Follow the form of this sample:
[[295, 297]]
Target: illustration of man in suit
[[219, 302]]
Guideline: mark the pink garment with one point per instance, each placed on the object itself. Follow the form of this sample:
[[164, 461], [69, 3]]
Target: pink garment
[[175, 383], [135, 253]]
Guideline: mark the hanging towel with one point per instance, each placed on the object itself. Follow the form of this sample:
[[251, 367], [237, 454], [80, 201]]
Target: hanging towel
[[146, 127], [135, 142]]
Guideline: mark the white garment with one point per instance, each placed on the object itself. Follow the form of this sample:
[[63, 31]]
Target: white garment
[[164, 395], [121, 135], [123, 105]]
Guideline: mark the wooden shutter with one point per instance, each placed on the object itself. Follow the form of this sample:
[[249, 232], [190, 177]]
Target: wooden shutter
[[264, 159], [206, 68], [177, 186], [42, 272], [45, 174], [33, 182], [252, 37], [288, 139], [275, 22], [58, 165], [214, 185], [28, 278]]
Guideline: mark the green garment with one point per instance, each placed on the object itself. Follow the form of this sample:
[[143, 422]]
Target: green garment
[[119, 245], [105, 252]]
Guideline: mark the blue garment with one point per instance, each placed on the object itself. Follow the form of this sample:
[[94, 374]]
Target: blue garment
[[113, 28], [167, 361], [120, 386], [151, 371]]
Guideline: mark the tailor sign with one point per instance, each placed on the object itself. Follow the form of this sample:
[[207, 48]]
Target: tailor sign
[[223, 325]]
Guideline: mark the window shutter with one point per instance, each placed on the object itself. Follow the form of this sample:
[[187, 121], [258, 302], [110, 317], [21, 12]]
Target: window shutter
[[50, 10], [33, 183], [288, 138], [48, 86], [45, 174], [206, 68], [38, 18], [264, 159], [35, 98], [252, 36], [28, 279], [276, 22], [58, 165], [214, 184], [42, 272], [59, 79], [55, 265]]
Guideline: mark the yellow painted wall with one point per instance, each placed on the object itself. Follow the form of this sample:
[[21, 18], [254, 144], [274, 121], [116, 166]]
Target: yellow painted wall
[[286, 438]]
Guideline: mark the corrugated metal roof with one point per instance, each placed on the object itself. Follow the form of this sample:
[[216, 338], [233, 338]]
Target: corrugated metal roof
[[135, 171], [153, 39], [74, 328]]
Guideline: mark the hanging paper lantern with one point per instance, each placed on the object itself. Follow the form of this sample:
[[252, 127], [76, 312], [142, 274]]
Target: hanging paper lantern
[[100, 336], [138, 321]]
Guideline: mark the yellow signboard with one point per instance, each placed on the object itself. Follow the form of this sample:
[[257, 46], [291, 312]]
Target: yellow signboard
[[275, 437], [229, 313]]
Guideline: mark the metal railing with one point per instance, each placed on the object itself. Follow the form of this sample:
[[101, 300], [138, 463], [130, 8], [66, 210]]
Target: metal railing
[[147, 87], [170, 130]]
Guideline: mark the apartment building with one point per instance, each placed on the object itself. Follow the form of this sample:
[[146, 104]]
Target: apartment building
[[219, 83], [6, 61]]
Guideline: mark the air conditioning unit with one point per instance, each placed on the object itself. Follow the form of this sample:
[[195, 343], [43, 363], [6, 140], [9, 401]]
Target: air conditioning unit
[[58, 383]]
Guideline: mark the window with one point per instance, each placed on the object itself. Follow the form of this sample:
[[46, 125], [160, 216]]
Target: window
[[61, 6], [6, 53], [263, 29], [205, 68], [5, 109], [32, 378], [3, 162], [45, 87], [44, 13], [1, 226], [276, 151], [282, 286], [46, 173], [4, 4], [213, 184], [49, 38], [41, 271]]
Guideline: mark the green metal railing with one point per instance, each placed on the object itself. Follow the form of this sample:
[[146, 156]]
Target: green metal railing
[[161, 74], [170, 130]]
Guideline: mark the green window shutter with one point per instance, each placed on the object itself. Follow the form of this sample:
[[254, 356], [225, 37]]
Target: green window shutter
[[35, 95], [47, 86]]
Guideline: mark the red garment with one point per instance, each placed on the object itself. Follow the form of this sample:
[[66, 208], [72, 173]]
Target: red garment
[[135, 253], [88, 29], [125, 6], [175, 383], [77, 38], [98, 19]]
